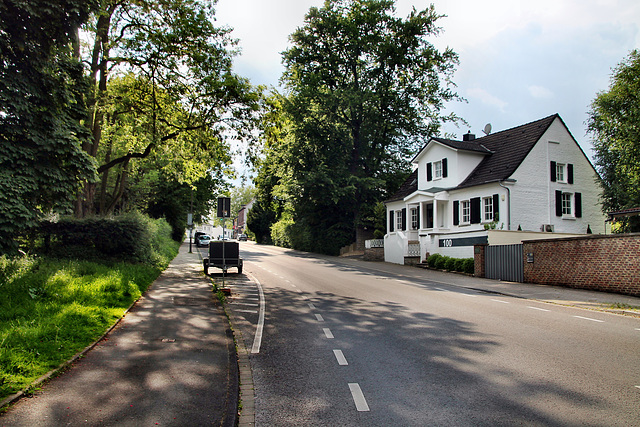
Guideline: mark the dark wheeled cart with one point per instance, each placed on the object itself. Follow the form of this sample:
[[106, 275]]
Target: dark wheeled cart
[[223, 254]]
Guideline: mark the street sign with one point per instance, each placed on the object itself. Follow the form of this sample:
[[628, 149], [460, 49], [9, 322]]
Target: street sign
[[224, 207]]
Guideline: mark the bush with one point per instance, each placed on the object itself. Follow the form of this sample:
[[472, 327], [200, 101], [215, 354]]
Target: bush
[[450, 264], [441, 262], [281, 232], [468, 266], [433, 259], [131, 237]]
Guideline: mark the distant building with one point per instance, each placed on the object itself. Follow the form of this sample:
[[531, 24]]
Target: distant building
[[241, 224], [533, 177]]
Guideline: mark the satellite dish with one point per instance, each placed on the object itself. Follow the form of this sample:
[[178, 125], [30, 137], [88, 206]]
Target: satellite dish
[[487, 129]]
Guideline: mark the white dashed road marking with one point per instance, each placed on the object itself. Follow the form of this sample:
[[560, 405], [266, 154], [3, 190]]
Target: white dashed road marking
[[588, 318], [537, 308], [327, 333], [358, 397], [319, 318], [342, 361]]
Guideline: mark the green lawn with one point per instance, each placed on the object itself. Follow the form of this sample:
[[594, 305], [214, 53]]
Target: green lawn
[[51, 309]]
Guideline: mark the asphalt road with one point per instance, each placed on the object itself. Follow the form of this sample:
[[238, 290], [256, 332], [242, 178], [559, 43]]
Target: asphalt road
[[335, 342]]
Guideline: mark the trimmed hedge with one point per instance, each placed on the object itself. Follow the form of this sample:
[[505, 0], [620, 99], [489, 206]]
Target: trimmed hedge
[[443, 262], [132, 237]]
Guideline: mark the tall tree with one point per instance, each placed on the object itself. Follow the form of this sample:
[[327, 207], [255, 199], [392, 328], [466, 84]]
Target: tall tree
[[185, 88], [41, 105], [614, 123], [366, 89]]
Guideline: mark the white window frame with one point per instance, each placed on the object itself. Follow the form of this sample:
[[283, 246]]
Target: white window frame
[[561, 172], [399, 223], [437, 169], [487, 209], [567, 205], [414, 218], [465, 212]]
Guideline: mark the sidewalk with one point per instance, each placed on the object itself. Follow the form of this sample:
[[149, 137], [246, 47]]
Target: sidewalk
[[170, 361], [594, 300]]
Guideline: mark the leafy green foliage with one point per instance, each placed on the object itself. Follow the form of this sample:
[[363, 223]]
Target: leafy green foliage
[[132, 237], [365, 90], [442, 262], [164, 93], [614, 123], [41, 105]]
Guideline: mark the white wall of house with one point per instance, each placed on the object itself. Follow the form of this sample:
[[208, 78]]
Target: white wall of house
[[535, 188], [527, 199], [460, 163]]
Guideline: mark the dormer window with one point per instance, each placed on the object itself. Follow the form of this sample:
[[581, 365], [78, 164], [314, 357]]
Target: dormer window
[[437, 170]]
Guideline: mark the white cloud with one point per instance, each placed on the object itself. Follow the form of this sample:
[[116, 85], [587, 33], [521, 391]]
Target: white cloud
[[540, 92], [486, 98]]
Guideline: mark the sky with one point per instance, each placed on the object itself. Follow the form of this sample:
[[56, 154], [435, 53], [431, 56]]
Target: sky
[[520, 61]]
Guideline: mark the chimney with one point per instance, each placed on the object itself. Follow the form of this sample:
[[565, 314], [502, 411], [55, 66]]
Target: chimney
[[468, 136]]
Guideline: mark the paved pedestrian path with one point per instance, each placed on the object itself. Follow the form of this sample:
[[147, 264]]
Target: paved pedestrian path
[[171, 361]]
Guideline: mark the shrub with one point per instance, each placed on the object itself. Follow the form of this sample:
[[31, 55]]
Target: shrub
[[468, 265], [442, 262], [281, 232], [433, 259], [450, 264], [132, 237]]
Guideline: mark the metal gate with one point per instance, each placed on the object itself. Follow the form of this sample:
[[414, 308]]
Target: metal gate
[[504, 262]]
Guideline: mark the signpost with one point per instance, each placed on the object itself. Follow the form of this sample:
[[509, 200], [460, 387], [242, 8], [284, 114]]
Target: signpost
[[190, 225], [224, 212]]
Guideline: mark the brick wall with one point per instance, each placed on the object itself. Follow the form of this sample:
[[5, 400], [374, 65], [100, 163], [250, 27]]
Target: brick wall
[[478, 260], [604, 263]]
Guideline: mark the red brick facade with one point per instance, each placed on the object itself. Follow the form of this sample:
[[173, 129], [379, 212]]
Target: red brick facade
[[478, 260], [604, 263]]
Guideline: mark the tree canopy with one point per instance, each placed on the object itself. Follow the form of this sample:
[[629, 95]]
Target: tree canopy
[[162, 85], [364, 89], [41, 107], [614, 123]]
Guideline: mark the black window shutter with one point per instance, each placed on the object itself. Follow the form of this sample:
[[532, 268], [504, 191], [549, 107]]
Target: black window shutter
[[578, 202], [391, 222], [444, 168], [418, 216], [496, 207], [553, 171], [404, 219], [558, 203], [570, 173], [456, 212], [475, 210], [429, 173]]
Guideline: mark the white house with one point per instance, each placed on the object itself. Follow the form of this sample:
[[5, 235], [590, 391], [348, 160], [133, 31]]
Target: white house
[[533, 177]]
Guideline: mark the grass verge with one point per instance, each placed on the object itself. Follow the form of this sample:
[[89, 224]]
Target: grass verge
[[51, 309]]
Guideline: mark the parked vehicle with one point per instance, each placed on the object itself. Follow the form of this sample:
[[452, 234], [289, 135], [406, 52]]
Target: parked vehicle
[[242, 238], [223, 254], [203, 240]]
